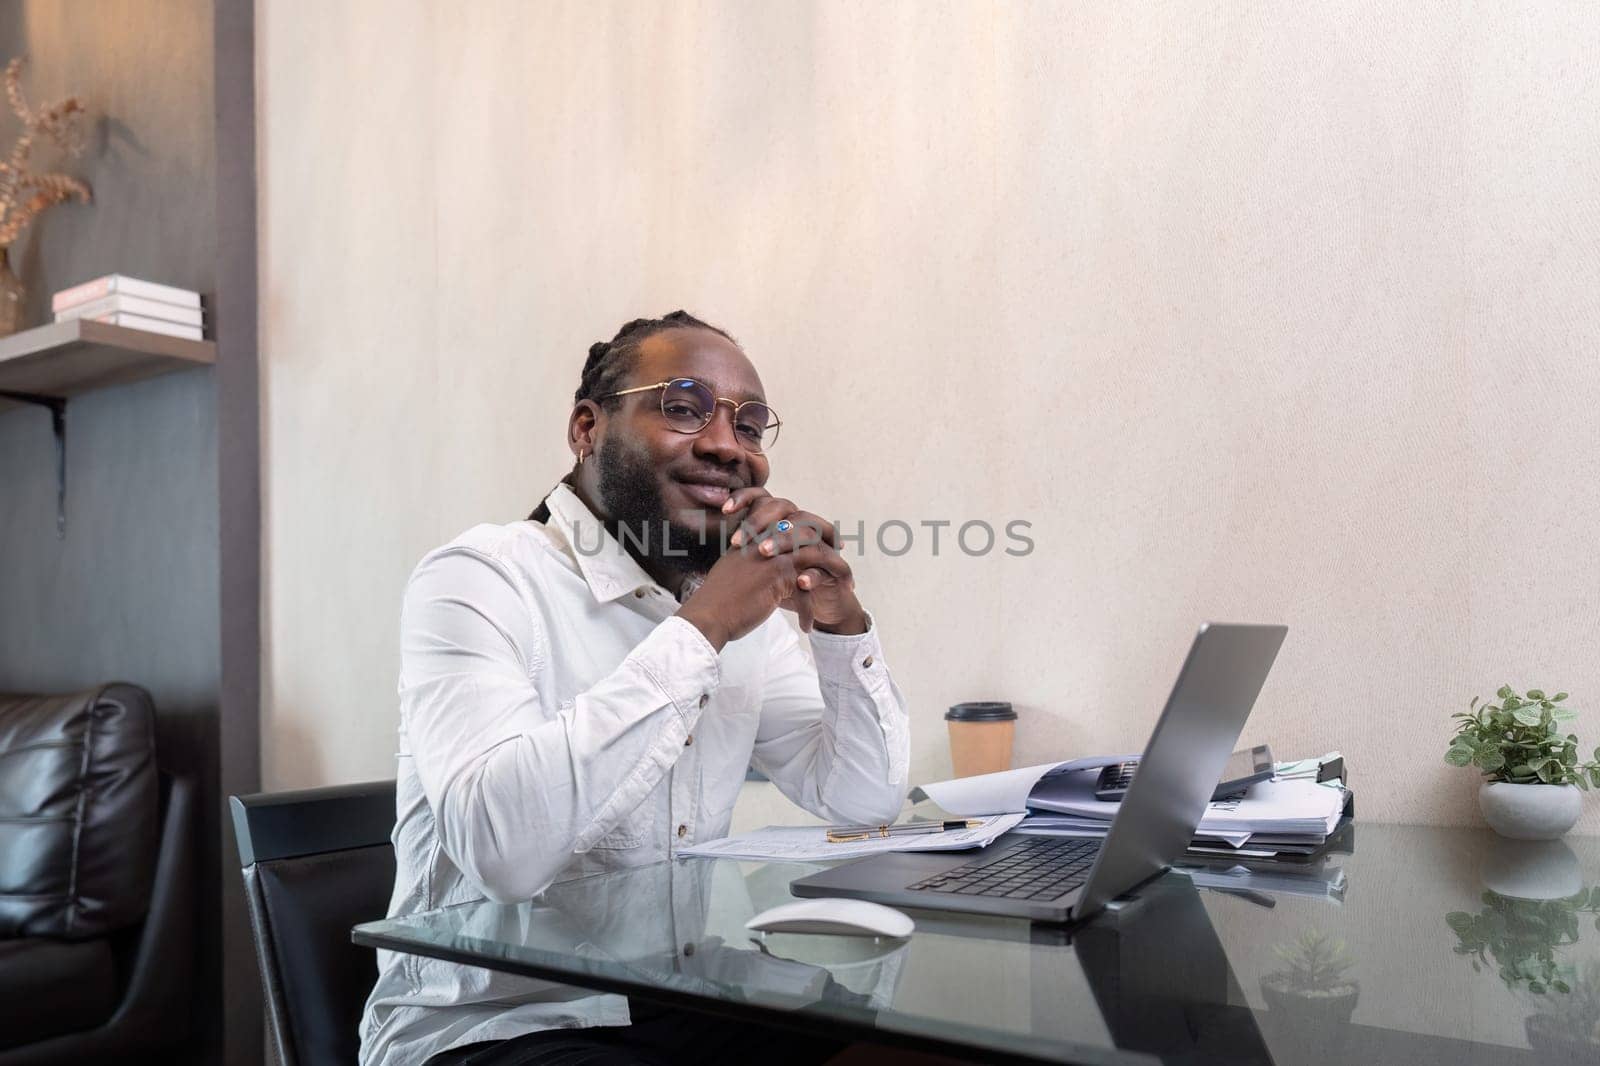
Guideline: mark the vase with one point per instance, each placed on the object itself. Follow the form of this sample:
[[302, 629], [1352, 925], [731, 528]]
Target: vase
[[1530, 812], [1328, 1006], [13, 297], [1316, 1020], [1530, 869]]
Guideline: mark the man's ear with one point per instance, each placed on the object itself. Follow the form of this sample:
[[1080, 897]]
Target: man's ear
[[582, 428]]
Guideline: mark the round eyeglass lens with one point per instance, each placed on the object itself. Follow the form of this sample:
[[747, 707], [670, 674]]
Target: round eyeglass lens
[[756, 425], [687, 404], [689, 407]]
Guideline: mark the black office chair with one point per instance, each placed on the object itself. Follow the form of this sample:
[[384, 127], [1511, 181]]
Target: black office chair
[[316, 862]]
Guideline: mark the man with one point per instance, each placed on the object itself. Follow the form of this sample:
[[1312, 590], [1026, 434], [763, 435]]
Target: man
[[582, 692]]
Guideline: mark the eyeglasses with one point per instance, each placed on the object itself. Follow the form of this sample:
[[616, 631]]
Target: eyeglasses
[[689, 405]]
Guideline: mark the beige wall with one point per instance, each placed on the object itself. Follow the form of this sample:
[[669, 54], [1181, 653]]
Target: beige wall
[[1255, 312]]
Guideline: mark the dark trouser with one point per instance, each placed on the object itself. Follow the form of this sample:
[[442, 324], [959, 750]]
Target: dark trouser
[[658, 1037]]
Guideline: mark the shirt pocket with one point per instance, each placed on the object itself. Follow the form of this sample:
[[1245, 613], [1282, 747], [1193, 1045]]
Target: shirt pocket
[[727, 728], [621, 838]]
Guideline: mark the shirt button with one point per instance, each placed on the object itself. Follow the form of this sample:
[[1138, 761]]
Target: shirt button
[[638, 594], [705, 698], [867, 661], [688, 949], [688, 741], [683, 830]]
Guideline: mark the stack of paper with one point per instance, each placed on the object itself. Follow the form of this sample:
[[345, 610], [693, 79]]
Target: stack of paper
[[1318, 882], [1282, 815], [1280, 808], [810, 843]]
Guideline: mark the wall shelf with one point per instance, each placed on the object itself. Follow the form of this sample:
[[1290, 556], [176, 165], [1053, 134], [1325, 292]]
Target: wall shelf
[[42, 367], [64, 359]]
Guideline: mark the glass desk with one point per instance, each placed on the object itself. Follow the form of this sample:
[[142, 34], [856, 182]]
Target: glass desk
[[1417, 946]]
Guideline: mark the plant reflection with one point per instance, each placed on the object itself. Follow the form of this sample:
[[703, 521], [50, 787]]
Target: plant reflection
[[1521, 936], [1573, 1021]]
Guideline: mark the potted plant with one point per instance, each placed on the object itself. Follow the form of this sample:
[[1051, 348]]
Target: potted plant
[[1313, 983], [1530, 765]]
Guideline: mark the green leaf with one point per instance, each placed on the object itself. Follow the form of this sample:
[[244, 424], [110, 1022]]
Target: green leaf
[[1526, 715], [1503, 691], [1522, 770], [1512, 703], [1594, 776], [1466, 740], [1536, 987], [1460, 921], [1560, 985], [1488, 758], [1473, 705], [1545, 771], [1558, 697], [1536, 694], [1458, 756]]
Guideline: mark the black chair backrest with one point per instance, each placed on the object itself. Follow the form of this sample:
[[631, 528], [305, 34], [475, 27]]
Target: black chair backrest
[[316, 862]]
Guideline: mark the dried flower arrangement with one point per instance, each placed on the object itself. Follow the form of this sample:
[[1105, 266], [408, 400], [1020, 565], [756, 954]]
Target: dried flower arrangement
[[23, 193]]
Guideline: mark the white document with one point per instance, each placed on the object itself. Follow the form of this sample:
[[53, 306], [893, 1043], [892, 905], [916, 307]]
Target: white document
[[1045, 824], [1280, 808], [1008, 790], [1274, 807], [1327, 885], [1307, 769], [809, 843]]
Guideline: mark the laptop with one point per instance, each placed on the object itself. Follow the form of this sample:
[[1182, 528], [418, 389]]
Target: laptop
[[1065, 879]]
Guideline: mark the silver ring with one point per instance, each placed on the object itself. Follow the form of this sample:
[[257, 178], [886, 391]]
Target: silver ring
[[784, 525]]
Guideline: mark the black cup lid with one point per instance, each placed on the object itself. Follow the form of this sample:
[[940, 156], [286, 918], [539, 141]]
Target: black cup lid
[[989, 711]]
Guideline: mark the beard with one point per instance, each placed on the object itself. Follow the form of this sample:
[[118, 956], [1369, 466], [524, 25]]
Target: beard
[[631, 491]]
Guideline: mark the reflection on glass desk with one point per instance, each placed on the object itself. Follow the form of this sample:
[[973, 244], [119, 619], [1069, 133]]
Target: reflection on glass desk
[[1439, 946]]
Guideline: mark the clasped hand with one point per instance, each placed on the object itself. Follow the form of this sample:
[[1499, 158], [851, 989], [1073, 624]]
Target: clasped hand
[[797, 568]]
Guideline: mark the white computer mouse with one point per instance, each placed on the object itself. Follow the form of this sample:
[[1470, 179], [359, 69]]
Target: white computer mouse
[[840, 917]]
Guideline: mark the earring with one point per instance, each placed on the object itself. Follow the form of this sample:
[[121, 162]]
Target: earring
[[581, 455]]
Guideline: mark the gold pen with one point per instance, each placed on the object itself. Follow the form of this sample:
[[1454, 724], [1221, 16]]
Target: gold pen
[[847, 834]]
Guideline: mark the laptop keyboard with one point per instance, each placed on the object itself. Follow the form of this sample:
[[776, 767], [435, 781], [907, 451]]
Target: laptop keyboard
[[1041, 868]]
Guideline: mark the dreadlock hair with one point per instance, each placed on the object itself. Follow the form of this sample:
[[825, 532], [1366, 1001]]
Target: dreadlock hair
[[608, 363]]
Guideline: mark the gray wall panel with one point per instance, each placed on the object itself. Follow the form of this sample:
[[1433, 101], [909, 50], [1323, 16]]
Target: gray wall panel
[[132, 592]]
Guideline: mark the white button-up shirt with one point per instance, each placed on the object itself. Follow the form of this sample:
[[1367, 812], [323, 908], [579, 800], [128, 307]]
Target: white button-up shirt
[[558, 720]]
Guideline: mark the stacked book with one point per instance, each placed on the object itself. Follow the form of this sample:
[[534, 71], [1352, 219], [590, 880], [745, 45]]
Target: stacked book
[[124, 301]]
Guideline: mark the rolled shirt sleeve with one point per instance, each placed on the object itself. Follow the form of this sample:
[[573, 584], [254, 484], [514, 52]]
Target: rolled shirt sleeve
[[834, 737]]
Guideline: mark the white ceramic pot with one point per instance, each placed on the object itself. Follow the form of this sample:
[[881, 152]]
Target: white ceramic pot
[[1530, 869], [1530, 812]]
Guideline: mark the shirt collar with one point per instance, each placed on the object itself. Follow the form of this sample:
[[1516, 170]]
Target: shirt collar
[[607, 568]]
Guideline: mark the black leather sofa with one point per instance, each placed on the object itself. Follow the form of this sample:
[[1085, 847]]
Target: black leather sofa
[[96, 882]]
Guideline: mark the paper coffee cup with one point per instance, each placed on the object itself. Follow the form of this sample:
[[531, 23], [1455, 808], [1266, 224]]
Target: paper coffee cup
[[980, 737]]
